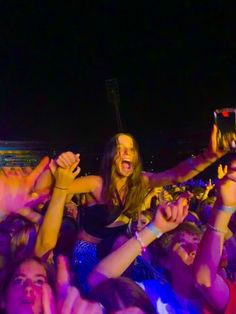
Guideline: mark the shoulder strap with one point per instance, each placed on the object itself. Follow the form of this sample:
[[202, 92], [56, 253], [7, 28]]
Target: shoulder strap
[[119, 199]]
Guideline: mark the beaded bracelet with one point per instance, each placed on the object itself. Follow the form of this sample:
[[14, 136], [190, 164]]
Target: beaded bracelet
[[154, 230], [227, 209], [143, 247], [212, 228]]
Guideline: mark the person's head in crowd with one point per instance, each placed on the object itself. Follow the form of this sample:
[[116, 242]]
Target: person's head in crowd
[[23, 284], [205, 209], [175, 250], [23, 242], [143, 219], [122, 295], [122, 159], [71, 206], [175, 191], [113, 161], [18, 236], [198, 192]]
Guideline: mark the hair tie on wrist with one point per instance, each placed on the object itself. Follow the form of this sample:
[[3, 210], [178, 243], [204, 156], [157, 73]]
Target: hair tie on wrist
[[60, 188], [154, 230]]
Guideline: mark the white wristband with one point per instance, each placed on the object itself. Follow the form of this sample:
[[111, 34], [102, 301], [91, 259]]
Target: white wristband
[[154, 230]]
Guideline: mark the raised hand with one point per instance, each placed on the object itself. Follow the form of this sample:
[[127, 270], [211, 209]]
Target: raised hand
[[226, 187], [170, 214], [48, 300], [213, 151], [17, 189], [65, 176], [66, 159], [69, 300], [210, 186], [221, 171]]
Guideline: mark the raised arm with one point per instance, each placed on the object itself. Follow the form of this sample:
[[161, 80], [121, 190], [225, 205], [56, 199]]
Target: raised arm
[[167, 217], [49, 230], [87, 184], [189, 168], [214, 288]]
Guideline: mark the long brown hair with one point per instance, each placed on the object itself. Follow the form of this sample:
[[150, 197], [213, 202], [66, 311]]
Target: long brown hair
[[135, 183]]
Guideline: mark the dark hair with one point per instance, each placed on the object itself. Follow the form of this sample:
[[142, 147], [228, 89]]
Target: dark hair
[[12, 268], [160, 247], [119, 293], [21, 237], [135, 183]]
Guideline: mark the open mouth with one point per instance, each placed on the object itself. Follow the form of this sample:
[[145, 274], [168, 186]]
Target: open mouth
[[126, 165]]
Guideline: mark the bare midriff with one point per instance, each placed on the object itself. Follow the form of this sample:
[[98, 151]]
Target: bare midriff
[[83, 235]]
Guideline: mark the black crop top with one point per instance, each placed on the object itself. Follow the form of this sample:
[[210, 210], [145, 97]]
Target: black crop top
[[95, 218]]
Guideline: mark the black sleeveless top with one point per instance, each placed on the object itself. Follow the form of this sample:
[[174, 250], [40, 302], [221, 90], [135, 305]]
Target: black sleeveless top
[[95, 218]]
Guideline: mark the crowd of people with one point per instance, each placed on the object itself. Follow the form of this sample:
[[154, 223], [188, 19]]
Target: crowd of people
[[122, 241]]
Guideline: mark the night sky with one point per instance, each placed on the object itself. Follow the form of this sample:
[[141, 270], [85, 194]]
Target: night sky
[[174, 62]]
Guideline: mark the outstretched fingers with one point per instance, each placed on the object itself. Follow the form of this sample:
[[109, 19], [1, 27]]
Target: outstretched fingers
[[48, 300], [70, 300], [82, 306], [63, 276], [182, 211]]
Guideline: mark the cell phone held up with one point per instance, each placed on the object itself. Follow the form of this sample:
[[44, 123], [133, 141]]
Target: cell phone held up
[[225, 119]]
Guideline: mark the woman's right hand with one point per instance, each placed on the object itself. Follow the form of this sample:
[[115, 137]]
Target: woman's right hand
[[170, 214], [65, 176]]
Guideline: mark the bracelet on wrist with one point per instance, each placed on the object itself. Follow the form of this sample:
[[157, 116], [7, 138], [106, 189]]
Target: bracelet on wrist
[[138, 238], [60, 188], [227, 209], [154, 230], [214, 229]]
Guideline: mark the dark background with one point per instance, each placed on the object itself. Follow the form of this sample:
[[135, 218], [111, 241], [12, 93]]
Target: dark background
[[174, 62]]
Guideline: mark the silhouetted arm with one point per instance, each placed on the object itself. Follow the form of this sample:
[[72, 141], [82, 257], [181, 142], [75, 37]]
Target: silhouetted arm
[[213, 287]]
